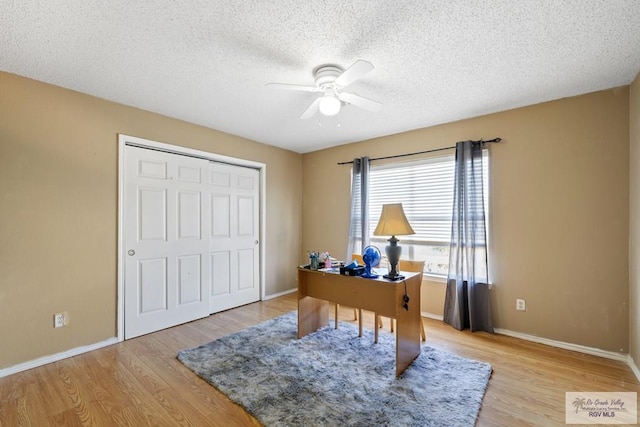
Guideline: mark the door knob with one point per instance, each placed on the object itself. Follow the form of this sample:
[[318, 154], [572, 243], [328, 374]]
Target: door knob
[[131, 252], [256, 242]]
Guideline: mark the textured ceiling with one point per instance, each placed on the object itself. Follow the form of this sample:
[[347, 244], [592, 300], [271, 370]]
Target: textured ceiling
[[207, 61]]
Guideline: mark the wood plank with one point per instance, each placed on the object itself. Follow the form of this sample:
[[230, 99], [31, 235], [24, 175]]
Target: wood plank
[[408, 322], [140, 382]]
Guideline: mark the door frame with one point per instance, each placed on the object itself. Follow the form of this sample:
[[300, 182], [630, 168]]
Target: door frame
[[124, 140]]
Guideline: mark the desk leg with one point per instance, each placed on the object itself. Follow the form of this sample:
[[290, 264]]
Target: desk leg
[[313, 314], [359, 322], [375, 328], [408, 331]]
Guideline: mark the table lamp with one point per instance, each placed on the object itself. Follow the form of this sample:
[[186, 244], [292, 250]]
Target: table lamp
[[393, 222]]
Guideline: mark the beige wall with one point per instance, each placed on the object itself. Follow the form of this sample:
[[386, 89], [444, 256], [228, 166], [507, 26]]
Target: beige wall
[[58, 211], [559, 213], [634, 215]]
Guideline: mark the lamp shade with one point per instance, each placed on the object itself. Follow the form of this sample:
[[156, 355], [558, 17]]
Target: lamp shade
[[393, 221]]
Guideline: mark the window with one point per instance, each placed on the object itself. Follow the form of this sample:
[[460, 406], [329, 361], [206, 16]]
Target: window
[[425, 189]]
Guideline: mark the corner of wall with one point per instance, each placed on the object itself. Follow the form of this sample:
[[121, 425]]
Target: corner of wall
[[634, 224], [634, 367]]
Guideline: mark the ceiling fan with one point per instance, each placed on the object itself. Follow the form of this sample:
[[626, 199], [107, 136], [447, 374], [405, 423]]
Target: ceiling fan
[[330, 80]]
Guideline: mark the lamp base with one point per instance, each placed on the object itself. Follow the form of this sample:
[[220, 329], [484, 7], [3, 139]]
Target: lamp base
[[393, 256]]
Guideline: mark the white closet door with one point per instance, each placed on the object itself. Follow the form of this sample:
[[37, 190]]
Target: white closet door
[[166, 230], [234, 244]]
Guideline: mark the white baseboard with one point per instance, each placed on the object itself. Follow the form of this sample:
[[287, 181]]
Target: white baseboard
[[552, 343], [55, 357], [626, 358], [279, 294], [567, 346], [432, 316], [560, 344]]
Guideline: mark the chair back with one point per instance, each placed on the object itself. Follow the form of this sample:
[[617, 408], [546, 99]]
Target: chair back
[[412, 266], [358, 258], [404, 265]]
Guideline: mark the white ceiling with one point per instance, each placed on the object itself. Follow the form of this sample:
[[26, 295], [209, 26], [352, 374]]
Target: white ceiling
[[207, 61]]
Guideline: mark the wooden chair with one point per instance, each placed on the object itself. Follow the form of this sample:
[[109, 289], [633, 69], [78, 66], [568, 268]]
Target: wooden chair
[[413, 267], [358, 258]]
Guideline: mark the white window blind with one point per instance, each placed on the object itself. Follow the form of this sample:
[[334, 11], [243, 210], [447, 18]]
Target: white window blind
[[425, 189]]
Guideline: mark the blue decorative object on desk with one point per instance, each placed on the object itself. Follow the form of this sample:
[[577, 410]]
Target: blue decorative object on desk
[[371, 257]]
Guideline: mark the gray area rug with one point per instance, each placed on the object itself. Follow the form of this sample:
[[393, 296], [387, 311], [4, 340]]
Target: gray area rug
[[334, 378]]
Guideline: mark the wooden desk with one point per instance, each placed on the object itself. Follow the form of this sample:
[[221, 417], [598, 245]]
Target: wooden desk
[[317, 288]]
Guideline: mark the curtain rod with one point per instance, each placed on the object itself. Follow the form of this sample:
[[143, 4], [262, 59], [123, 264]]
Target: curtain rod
[[491, 141]]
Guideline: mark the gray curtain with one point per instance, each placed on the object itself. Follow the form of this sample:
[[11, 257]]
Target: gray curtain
[[467, 300], [359, 216]]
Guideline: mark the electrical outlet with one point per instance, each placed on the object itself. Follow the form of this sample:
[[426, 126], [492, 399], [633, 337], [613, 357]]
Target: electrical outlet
[[521, 305], [59, 320]]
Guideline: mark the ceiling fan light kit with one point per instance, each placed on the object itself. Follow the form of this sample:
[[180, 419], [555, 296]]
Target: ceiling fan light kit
[[329, 105], [330, 80]]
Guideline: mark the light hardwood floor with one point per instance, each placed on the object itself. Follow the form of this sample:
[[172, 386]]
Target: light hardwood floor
[[140, 382]]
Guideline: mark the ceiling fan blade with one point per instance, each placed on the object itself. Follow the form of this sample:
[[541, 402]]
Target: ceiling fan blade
[[353, 73], [313, 109], [359, 101], [286, 86]]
